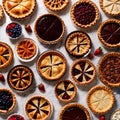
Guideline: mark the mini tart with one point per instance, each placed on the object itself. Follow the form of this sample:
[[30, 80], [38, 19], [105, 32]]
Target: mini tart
[[49, 29], [110, 7], [38, 108], [1, 12], [84, 13], [19, 9], [78, 44], [51, 65], [108, 33], [20, 77], [100, 99], [83, 71], [109, 69], [15, 116], [65, 90], [7, 101], [115, 115], [56, 5], [6, 55], [74, 111]]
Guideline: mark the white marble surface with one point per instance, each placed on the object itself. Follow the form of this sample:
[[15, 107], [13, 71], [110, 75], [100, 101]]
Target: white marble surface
[[49, 86]]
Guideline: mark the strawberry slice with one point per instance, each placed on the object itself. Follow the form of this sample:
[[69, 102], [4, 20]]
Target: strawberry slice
[[28, 28], [98, 51], [41, 87], [2, 78]]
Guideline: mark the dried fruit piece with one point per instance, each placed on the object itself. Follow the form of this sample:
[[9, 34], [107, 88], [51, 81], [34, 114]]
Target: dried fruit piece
[[28, 28], [98, 51], [41, 87], [2, 78], [90, 56]]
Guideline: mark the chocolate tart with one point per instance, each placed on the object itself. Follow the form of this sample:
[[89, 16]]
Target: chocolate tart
[[65, 90], [110, 7], [6, 55], [109, 69], [1, 12], [20, 77], [38, 108], [19, 9], [7, 100], [100, 99], [84, 13], [83, 71], [78, 44], [51, 65], [115, 115], [49, 29], [109, 33], [74, 111]]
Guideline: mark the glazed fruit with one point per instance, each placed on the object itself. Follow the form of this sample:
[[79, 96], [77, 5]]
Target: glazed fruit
[[98, 51], [28, 28], [41, 87], [2, 78], [102, 117]]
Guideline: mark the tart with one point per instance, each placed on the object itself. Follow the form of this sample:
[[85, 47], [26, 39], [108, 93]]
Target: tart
[[20, 77], [78, 44], [6, 55], [83, 71], [15, 116], [109, 69], [19, 9], [65, 90], [74, 111], [7, 101], [100, 99], [84, 13], [1, 12], [109, 33], [115, 115], [38, 108], [110, 7], [51, 65], [49, 29]]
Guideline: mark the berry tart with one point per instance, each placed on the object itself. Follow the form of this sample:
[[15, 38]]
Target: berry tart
[[1, 13], [109, 69], [115, 115], [15, 116], [84, 13], [65, 90], [51, 65]]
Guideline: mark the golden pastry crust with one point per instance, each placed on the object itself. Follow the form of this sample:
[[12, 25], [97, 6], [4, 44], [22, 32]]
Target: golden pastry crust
[[1, 12]]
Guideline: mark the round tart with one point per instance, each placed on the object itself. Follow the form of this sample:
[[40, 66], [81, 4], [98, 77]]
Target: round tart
[[74, 111], [83, 71], [84, 13], [109, 69], [51, 65], [65, 90], [19, 9], [78, 44], [109, 33], [15, 116], [7, 101], [1, 12], [49, 29], [38, 108], [20, 77], [6, 55], [100, 99], [115, 115]]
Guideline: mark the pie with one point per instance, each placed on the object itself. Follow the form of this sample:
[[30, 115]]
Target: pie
[[109, 69], [109, 33], [1, 12], [20, 77], [115, 115], [84, 13], [19, 9], [74, 111], [15, 116], [51, 65], [49, 29], [38, 108], [6, 55], [65, 90], [7, 100], [100, 99], [78, 44], [83, 71]]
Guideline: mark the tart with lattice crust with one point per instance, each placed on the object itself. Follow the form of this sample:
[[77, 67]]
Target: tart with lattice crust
[[83, 71], [65, 90], [20, 77], [100, 99], [38, 108], [6, 55], [78, 43], [51, 65], [1, 12]]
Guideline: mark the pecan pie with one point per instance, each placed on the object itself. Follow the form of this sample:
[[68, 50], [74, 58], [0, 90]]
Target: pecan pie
[[6, 55], [51, 65], [20, 77], [100, 99], [65, 90], [115, 115], [83, 71], [1, 12], [38, 108], [109, 69]]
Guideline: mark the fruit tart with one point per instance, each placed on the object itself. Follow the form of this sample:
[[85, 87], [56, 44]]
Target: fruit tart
[[15, 116]]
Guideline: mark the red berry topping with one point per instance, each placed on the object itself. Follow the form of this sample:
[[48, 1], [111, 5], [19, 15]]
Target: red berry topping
[[98, 51], [2, 78], [41, 87], [102, 117], [90, 56], [10, 33], [28, 28]]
